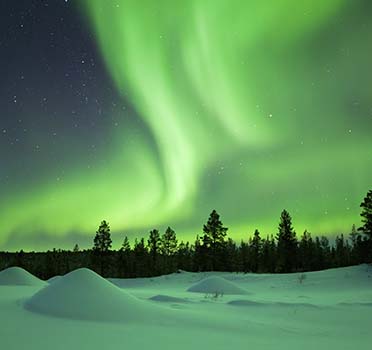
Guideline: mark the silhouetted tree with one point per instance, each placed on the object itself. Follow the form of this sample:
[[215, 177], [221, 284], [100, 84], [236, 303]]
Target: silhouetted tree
[[125, 268], [366, 228], [255, 251], [342, 251], [244, 256], [168, 249], [184, 257], [306, 249], [287, 244], [102, 240], [76, 248], [153, 244], [357, 255], [322, 253], [140, 258], [169, 242], [269, 254], [102, 245], [125, 247], [366, 215], [230, 256], [214, 239]]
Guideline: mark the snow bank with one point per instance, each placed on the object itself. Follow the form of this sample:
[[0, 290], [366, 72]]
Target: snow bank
[[16, 276], [84, 295], [218, 285]]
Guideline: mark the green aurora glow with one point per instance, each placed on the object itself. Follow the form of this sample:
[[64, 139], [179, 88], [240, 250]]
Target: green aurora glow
[[251, 107]]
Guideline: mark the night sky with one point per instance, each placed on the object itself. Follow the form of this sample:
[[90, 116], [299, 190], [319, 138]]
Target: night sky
[[153, 113]]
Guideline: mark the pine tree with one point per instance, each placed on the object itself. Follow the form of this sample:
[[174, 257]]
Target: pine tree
[[306, 250], [125, 261], [76, 248], [255, 251], [154, 244], [342, 252], [353, 235], [125, 247], [184, 256], [140, 258], [230, 259], [269, 255], [102, 240], [287, 244], [214, 239], [102, 245], [169, 242], [198, 256], [366, 215], [168, 248], [244, 256], [322, 253], [356, 246]]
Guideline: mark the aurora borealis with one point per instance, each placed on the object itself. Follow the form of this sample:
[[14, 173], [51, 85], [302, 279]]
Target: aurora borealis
[[153, 113]]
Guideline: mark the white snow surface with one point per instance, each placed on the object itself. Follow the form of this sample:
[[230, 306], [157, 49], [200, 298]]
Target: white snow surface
[[329, 309], [16, 276]]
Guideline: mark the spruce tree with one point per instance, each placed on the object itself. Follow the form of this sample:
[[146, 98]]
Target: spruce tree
[[202, 258], [154, 244], [356, 246], [125, 247], [125, 267], [230, 258], [342, 252], [366, 215], [214, 239], [184, 256], [322, 253], [169, 242], [306, 250], [287, 244], [102, 245], [244, 256], [168, 248], [102, 240], [255, 251], [140, 258]]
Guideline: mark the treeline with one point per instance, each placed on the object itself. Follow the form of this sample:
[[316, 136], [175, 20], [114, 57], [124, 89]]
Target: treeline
[[211, 251]]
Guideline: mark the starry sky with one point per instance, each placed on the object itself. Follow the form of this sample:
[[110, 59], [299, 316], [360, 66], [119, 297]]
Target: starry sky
[[152, 113]]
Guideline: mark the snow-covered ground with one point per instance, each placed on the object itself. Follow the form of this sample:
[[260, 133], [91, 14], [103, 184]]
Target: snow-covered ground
[[329, 309]]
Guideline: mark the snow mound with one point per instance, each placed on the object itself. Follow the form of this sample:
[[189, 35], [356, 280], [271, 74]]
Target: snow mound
[[84, 295], [216, 284], [246, 303], [16, 276], [167, 299], [284, 304]]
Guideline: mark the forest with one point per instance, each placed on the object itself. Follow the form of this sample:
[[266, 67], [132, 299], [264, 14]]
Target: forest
[[213, 250]]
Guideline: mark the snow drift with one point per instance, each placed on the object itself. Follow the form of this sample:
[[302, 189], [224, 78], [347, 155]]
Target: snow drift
[[216, 284], [16, 276], [84, 295], [167, 299]]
